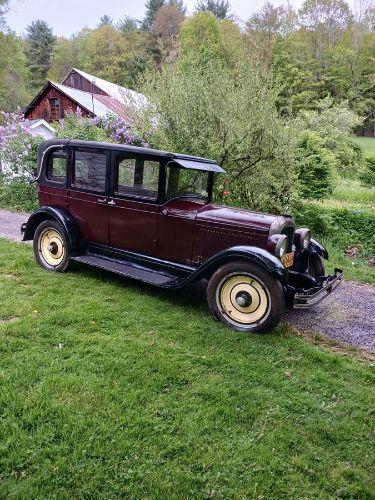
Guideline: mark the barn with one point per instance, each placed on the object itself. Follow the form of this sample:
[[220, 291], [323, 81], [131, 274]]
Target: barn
[[94, 96]]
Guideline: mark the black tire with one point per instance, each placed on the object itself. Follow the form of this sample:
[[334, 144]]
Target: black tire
[[262, 297], [51, 247], [316, 266]]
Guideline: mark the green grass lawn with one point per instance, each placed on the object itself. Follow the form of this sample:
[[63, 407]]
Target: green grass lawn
[[366, 143], [113, 389]]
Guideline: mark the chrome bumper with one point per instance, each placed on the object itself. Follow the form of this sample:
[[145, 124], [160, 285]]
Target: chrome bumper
[[311, 297]]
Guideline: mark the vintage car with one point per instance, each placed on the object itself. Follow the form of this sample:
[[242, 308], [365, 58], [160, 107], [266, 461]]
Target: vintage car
[[148, 215]]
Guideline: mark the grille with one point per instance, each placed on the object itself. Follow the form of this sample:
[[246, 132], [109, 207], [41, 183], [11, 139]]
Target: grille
[[289, 233]]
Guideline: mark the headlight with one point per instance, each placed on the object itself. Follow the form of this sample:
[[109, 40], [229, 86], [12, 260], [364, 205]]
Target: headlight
[[281, 246], [278, 244], [302, 238]]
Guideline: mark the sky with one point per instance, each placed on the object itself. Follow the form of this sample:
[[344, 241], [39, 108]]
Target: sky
[[69, 16]]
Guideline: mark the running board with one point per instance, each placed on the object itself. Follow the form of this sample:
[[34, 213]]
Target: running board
[[131, 270]]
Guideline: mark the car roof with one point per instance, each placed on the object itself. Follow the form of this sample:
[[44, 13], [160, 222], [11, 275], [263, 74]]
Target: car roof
[[185, 161]]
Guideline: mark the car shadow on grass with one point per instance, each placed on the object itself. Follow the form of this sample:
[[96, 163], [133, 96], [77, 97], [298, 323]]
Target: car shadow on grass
[[191, 295]]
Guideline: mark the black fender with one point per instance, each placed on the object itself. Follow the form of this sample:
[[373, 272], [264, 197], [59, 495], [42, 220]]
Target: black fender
[[255, 255], [58, 214], [316, 247]]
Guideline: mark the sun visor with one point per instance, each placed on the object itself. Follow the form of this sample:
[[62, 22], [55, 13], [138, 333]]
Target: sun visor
[[199, 165]]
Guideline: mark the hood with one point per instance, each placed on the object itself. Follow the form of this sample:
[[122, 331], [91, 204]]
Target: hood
[[240, 218]]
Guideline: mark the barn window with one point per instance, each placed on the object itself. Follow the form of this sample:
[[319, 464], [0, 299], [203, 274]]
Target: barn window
[[55, 108]]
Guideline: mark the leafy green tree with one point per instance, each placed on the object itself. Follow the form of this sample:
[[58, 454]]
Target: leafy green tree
[[212, 109], [152, 7], [40, 42], [13, 73], [219, 8], [104, 53], [66, 55]]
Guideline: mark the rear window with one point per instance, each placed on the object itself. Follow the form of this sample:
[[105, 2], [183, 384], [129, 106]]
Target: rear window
[[89, 170], [56, 167]]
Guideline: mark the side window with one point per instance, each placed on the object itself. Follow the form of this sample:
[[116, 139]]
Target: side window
[[89, 170], [56, 167], [137, 177]]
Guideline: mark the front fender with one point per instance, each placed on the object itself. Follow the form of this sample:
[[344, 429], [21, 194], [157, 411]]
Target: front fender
[[58, 214], [258, 256], [316, 247]]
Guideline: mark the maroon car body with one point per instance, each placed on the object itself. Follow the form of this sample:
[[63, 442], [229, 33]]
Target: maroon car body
[[149, 215]]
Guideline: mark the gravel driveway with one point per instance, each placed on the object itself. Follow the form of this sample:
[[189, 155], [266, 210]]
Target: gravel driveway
[[348, 315]]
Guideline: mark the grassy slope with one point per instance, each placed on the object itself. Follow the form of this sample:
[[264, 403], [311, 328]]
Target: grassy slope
[[110, 388], [366, 143]]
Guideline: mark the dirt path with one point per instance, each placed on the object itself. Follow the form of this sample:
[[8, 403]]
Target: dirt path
[[348, 315]]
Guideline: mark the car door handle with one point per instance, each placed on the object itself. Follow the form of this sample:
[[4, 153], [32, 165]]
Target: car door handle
[[111, 202], [165, 212], [101, 200]]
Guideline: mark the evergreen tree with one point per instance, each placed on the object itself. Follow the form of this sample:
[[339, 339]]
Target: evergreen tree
[[220, 8], [152, 7], [40, 42], [105, 21], [127, 24]]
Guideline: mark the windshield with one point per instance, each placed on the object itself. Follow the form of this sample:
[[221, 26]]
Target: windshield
[[186, 183]]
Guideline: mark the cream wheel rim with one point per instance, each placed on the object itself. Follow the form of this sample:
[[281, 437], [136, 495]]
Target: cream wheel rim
[[51, 247], [243, 299]]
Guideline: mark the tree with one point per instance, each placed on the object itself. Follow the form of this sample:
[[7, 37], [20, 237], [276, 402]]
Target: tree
[[13, 73], [152, 7], [326, 20], [168, 21], [66, 55], [104, 53], [40, 43], [211, 109], [3, 11], [105, 21], [219, 8], [127, 24]]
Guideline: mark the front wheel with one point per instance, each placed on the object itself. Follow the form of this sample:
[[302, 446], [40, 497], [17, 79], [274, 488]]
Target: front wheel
[[51, 247], [245, 297]]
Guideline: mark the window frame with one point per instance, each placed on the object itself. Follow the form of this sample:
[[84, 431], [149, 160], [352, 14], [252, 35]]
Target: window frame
[[71, 165], [49, 182], [134, 156]]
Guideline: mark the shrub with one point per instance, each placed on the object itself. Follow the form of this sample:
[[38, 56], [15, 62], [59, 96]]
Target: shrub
[[205, 109], [344, 227], [367, 174], [314, 166], [75, 126], [18, 195], [18, 149]]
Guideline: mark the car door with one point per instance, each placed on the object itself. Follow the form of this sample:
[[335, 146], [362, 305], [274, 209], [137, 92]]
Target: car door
[[88, 192], [133, 206]]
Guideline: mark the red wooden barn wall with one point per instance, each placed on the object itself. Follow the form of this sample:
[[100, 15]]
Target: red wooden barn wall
[[42, 108], [76, 81]]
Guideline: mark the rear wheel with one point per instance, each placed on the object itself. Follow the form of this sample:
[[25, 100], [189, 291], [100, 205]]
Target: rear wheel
[[51, 247], [245, 297]]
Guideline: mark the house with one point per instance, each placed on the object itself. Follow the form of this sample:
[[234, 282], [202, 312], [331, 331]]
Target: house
[[94, 96], [41, 128]]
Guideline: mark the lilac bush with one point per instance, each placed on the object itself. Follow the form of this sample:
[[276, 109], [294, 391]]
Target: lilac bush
[[17, 148], [121, 132]]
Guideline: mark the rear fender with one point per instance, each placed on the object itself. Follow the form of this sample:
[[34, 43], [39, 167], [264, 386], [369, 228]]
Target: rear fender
[[62, 217], [255, 255]]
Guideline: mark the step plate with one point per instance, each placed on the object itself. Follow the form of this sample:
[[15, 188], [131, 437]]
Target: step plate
[[130, 270]]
